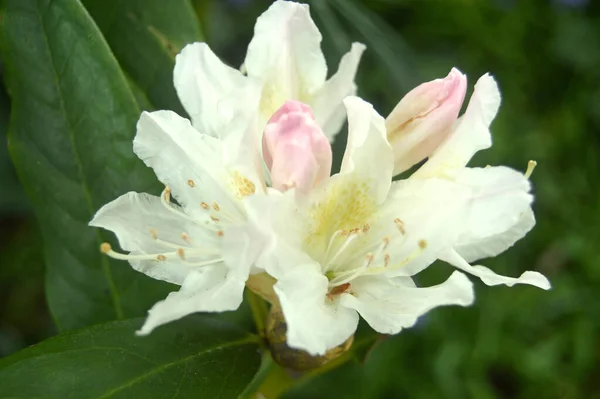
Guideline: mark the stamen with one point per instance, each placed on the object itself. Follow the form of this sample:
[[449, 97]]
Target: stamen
[[153, 233], [204, 205], [216, 206], [340, 289], [165, 199], [214, 218], [386, 242], [386, 260], [350, 238], [220, 233], [366, 228], [400, 226], [106, 249], [530, 168], [404, 262], [185, 237], [335, 235], [191, 183], [353, 273]]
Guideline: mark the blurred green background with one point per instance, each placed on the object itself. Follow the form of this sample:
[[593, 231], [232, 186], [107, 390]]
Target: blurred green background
[[516, 342]]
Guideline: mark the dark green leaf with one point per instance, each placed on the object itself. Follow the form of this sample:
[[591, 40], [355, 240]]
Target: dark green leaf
[[390, 48], [12, 198], [197, 357], [72, 123], [145, 36]]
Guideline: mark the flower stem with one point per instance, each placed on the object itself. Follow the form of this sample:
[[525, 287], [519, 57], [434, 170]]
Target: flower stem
[[259, 311]]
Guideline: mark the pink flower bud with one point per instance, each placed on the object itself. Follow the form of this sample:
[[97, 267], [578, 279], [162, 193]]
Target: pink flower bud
[[423, 118], [295, 149]]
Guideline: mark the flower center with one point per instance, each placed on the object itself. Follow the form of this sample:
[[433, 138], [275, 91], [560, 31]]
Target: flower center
[[186, 251], [358, 252]]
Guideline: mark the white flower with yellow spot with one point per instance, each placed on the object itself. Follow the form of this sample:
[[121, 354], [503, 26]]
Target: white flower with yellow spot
[[284, 58], [342, 246], [350, 244], [211, 164], [189, 243]]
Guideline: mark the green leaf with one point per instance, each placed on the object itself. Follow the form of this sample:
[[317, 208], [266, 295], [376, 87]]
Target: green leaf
[[382, 40], [145, 36], [194, 357], [71, 129], [13, 198]]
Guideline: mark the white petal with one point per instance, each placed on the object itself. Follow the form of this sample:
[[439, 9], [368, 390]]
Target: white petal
[[368, 154], [390, 305], [209, 290], [189, 162], [470, 135], [202, 81], [133, 216], [285, 54], [492, 245], [241, 245], [242, 137], [420, 218], [327, 104], [500, 211], [490, 278], [315, 323]]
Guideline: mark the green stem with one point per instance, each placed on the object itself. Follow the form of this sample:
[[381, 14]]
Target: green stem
[[259, 311]]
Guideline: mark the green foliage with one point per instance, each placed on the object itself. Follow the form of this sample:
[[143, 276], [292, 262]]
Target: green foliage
[[197, 355], [145, 36], [74, 100], [71, 128]]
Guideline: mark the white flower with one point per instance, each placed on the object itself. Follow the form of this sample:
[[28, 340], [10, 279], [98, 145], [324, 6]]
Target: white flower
[[212, 164], [342, 248], [500, 205], [286, 60], [349, 245], [190, 244]]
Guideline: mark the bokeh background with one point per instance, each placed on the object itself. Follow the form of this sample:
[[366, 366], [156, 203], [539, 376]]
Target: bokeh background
[[518, 342]]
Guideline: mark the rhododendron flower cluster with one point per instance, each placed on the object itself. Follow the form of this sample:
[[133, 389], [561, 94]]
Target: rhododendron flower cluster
[[256, 204]]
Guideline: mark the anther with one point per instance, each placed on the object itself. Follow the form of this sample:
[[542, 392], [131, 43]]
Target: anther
[[216, 206], [167, 193], [400, 225], [204, 205], [185, 237], [340, 289], [386, 260], [214, 218], [355, 230], [386, 242], [105, 248], [370, 257], [161, 258], [191, 183], [153, 233], [530, 168], [422, 244], [220, 233], [366, 228], [181, 253]]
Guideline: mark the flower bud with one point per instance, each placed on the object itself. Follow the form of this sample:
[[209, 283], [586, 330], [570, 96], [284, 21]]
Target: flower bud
[[291, 358], [295, 149], [423, 118]]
